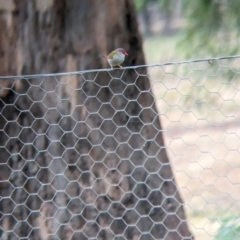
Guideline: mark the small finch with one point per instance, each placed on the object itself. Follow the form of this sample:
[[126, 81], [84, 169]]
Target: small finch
[[116, 57]]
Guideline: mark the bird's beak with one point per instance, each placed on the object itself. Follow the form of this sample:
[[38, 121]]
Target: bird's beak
[[125, 53]]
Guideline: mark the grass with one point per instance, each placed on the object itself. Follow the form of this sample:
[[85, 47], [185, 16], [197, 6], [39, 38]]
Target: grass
[[230, 228], [162, 48]]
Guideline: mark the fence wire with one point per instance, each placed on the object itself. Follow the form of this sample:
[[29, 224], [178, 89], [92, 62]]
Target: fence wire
[[83, 155]]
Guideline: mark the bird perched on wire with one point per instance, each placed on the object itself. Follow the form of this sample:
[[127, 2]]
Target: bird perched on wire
[[116, 57]]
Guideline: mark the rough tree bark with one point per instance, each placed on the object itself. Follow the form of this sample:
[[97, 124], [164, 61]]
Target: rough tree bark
[[82, 156]]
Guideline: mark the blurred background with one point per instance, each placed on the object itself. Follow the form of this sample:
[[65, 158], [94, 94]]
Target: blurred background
[[203, 144], [52, 128], [175, 29]]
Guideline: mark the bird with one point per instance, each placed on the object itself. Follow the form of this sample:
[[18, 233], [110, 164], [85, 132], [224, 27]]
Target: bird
[[116, 57]]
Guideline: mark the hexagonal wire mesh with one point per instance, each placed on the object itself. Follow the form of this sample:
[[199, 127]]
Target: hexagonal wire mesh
[[73, 151]]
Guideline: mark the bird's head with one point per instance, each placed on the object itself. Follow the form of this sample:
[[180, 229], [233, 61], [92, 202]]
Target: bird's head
[[122, 51]]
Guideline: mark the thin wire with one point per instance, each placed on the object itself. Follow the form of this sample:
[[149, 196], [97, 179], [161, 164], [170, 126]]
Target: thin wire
[[109, 69]]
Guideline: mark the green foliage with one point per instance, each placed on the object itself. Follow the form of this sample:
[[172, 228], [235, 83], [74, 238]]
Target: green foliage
[[230, 229], [167, 5], [163, 4], [140, 4], [213, 27]]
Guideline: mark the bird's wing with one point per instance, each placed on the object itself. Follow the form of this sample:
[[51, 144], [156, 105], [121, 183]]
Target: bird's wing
[[112, 54]]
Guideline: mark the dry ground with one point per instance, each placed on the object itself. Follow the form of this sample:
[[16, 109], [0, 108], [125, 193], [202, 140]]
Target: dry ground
[[203, 142]]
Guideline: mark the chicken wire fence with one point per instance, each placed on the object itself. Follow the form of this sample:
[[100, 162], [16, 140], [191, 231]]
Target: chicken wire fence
[[83, 155]]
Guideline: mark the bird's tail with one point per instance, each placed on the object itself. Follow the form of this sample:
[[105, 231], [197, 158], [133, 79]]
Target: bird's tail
[[104, 56]]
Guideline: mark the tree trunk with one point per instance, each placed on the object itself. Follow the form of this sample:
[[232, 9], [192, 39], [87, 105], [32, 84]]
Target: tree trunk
[[168, 13], [146, 21], [82, 156]]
